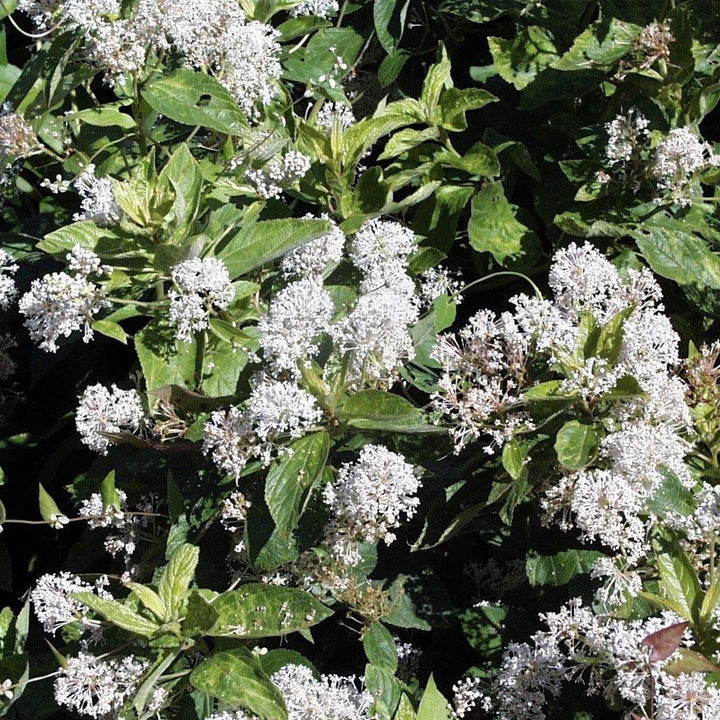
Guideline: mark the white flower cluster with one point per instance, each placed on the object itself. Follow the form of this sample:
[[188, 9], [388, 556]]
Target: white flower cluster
[[8, 289], [52, 603], [297, 316], [274, 409], [607, 656], [97, 198], [214, 35], [279, 174], [334, 115], [329, 697], [107, 410], [17, 137], [98, 688], [676, 161], [60, 303], [201, 286], [375, 331], [311, 260], [368, 499], [123, 539], [627, 133]]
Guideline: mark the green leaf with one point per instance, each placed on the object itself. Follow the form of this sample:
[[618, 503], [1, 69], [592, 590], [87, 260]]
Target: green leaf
[[200, 615], [405, 709], [611, 336], [378, 410], [118, 614], [289, 481], [385, 689], [493, 226], [690, 661], [454, 103], [679, 256], [433, 705], [380, 648], [110, 329], [258, 243], [103, 116], [561, 568], [389, 18], [437, 79], [514, 456], [575, 445], [195, 98], [49, 511], [87, 234], [256, 611], [520, 59], [671, 496], [176, 578], [183, 174], [163, 361], [149, 598], [600, 46], [236, 678], [679, 581], [108, 492]]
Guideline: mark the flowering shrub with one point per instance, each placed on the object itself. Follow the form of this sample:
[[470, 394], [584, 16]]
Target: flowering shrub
[[359, 361]]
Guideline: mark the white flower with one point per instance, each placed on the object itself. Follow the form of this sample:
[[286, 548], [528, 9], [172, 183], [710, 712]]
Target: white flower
[[311, 259], [93, 508], [235, 509], [107, 410], [677, 159], [334, 115], [52, 603], [626, 133], [280, 173], [201, 287], [95, 687], [369, 498], [330, 697], [83, 262], [6, 689], [274, 408], [57, 305], [17, 138], [281, 408], [98, 198], [379, 243], [8, 268], [228, 439], [289, 330], [376, 334]]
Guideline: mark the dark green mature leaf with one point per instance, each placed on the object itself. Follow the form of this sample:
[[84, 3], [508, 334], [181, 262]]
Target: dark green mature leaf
[[258, 243], [389, 18], [679, 256], [561, 568], [380, 648], [377, 410], [575, 444], [493, 226], [289, 481], [385, 689], [671, 496], [257, 610], [236, 678], [195, 98]]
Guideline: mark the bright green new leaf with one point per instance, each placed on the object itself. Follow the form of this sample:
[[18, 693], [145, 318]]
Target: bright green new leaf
[[176, 578]]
